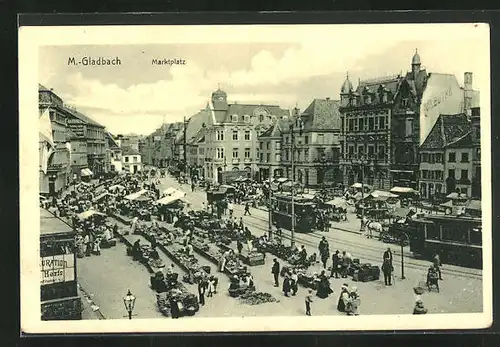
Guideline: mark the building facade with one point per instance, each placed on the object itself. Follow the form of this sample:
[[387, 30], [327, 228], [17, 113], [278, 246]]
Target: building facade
[[231, 140], [59, 167], [446, 158], [386, 120], [476, 152], [317, 150], [269, 150], [93, 134], [114, 154], [366, 114], [131, 160]]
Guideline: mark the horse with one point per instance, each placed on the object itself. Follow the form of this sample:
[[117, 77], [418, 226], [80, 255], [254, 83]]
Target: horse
[[372, 226]]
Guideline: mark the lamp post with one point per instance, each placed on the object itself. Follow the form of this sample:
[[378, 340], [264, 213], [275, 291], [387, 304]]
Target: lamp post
[[300, 124], [129, 301]]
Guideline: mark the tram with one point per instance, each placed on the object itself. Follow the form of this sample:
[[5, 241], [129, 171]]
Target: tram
[[305, 218], [457, 239]]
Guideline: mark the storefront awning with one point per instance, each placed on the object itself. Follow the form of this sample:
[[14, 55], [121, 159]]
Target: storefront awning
[[167, 200], [86, 172], [403, 190], [135, 195]]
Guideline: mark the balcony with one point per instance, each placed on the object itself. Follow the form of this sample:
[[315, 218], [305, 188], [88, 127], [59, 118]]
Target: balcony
[[235, 160], [247, 160]]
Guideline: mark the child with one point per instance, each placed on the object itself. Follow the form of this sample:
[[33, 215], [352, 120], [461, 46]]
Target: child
[[308, 301]]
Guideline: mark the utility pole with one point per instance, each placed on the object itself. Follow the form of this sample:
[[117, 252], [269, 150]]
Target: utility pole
[[292, 162]]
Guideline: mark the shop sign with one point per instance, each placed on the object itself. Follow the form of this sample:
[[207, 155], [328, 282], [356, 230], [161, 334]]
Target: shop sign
[[56, 269]]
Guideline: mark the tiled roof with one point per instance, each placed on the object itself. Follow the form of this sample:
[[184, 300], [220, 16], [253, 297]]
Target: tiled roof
[[82, 117], [322, 114], [129, 151], [276, 128], [372, 85], [111, 141], [447, 130], [42, 88]]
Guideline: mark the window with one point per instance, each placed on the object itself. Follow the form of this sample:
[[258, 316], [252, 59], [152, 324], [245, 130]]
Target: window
[[306, 140], [247, 152], [235, 152], [350, 124], [234, 118], [220, 135], [464, 191], [247, 135], [404, 102], [381, 122], [235, 135], [350, 150], [277, 157], [439, 176], [268, 157], [126, 159], [361, 124], [361, 149], [451, 173], [425, 157], [261, 145], [268, 145], [452, 157], [220, 153], [321, 138], [381, 152], [278, 145], [464, 175], [261, 118], [371, 123], [409, 127], [261, 157], [371, 151], [431, 175], [246, 118], [135, 159], [465, 157], [201, 150], [439, 158], [355, 124], [425, 174]]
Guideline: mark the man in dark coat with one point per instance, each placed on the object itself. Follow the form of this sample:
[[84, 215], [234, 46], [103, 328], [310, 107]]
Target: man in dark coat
[[276, 272], [202, 286], [335, 264], [388, 255]]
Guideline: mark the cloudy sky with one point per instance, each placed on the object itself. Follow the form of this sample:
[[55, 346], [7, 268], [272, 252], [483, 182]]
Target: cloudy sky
[[137, 96]]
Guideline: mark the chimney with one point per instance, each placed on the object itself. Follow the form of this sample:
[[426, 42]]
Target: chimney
[[467, 93]]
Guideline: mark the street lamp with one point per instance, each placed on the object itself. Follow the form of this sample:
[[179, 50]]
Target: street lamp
[[361, 161], [300, 124], [129, 301], [402, 240]]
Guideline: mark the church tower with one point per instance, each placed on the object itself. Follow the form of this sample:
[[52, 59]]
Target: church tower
[[415, 65], [219, 100], [345, 91]]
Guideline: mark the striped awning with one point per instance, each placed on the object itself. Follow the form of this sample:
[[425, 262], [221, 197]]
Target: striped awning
[[86, 172]]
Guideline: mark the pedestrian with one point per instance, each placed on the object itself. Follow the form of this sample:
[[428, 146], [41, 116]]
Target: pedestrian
[[308, 301], [247, 209], [387, 269], [211, 286], [354, 302], [437, 264], [276, 272], [230, 207], [239, 245], [343, 298], [335, 264], [286, 285], [201, 291], [88, 244], [294, 282], [241, 223], [174, 307], [192, 185]]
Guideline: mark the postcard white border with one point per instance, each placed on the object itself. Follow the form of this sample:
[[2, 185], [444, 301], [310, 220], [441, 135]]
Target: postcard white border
[[31, 38]]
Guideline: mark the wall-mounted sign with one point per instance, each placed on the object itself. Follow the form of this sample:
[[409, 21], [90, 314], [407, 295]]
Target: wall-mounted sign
[[56, 269]]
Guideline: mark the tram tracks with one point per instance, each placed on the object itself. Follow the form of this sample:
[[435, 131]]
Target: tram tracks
[[373, 258]]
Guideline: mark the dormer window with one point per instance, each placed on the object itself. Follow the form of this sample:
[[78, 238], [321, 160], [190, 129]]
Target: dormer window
[[261, 118], [405, 102], [384, 97], [368, 99], [234, 118], [246, 118]]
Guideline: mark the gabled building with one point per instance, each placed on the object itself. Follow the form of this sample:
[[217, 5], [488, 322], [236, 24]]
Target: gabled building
[[231, 141], [114, 154], [131, 160], [317, 150], [270, 150], [366, 114], [476, 151], [446, 157]]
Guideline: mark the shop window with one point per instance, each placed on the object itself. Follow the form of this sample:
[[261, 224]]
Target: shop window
[[452, 157]]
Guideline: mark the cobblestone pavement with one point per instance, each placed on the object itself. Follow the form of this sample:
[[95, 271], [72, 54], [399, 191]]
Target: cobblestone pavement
[[108, 277]]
